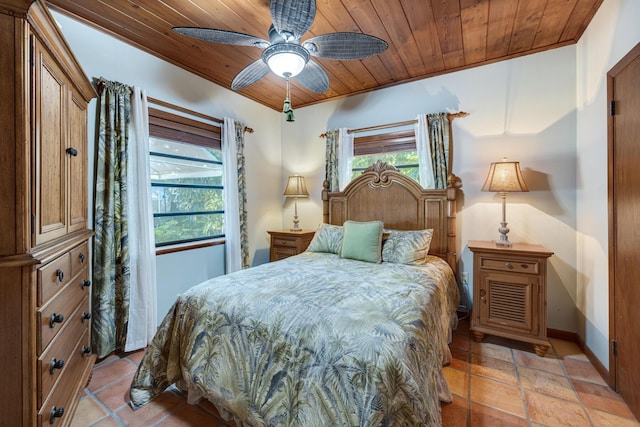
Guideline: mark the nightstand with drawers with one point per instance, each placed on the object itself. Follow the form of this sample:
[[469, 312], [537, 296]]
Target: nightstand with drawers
[[286, 243], [510, 292]]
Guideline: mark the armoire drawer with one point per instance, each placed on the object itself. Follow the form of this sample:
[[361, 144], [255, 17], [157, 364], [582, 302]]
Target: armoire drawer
[[64, 390], [61, 350], [56, 314], [79, 258], [52, 277]]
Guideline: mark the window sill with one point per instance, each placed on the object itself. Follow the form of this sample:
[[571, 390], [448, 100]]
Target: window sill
[[189, 246]]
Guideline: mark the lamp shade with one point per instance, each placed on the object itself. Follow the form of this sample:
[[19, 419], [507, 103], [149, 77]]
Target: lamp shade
[[505, 177], [296, 187]]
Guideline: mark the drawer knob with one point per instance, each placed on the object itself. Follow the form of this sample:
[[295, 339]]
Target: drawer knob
[[72, 151], [508, 265], [85, 316], [86, 283], [56, 364], [55, 318], [55, 413], [60, 275], [85, 350], [524, 265], [82, 257]]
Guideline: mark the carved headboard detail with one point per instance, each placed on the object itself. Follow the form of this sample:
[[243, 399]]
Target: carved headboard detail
[[382, 193]]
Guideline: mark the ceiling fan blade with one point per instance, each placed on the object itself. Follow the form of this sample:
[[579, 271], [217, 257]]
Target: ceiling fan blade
[[313, 77], [222, 36], [345, 46], [292, 18], [250, 74]]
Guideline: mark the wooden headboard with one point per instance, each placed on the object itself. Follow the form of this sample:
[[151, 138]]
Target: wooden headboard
[[382, 193]]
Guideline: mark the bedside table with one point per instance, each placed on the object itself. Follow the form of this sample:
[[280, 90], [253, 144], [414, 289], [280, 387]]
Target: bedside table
[[285, 243], [510, 292]]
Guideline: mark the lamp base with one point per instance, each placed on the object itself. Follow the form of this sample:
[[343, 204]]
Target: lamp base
[[296, 224], [504, 239]]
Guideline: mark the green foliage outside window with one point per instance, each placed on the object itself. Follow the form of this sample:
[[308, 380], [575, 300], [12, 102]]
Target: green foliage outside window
[[405, 161]]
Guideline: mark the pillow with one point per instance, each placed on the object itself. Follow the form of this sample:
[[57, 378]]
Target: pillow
[[328, 238], [362, 241], [407, 247]]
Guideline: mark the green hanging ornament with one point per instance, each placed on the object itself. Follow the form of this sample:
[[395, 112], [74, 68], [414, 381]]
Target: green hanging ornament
[[286, 109]]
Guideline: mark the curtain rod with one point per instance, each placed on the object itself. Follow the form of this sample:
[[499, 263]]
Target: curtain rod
[[191, 112], [450, 116]]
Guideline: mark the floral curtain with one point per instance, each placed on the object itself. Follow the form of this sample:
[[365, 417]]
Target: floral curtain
[[331, 160], [111, 262], [432, 144], [439, 143], [338, 159], [235, 196]]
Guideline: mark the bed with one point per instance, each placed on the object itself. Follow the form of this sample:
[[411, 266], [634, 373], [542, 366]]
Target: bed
[[323, 338]]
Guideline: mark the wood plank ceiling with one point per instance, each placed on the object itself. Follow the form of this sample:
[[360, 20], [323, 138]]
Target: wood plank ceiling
[[426, 37]]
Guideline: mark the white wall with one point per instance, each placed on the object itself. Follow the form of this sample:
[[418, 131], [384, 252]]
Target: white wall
[[613, 32], [523, 109], [104, 56]]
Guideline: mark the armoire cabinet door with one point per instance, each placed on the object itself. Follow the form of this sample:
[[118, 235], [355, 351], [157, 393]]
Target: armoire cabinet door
[[50, 103], [77, 164]]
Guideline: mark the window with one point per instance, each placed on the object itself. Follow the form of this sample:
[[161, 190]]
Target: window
[[186, 179], [395, 148]]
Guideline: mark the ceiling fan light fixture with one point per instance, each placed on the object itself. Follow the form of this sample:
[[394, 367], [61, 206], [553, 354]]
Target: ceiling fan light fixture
[[286, 58]]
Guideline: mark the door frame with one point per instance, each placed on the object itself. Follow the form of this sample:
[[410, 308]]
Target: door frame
[[633, 54]]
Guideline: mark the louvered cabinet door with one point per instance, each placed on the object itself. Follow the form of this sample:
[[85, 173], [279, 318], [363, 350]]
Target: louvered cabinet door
[[509, 292], [509, 302]]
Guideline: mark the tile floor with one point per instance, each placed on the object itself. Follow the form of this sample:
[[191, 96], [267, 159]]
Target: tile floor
[[495, 383]]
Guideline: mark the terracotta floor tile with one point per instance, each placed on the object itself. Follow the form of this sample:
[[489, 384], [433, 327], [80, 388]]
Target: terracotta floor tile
[[604, 419], [461, 341], [88, 412], [568, 349], [495, 351], [547, 383], [154, 411], [190, 415], [548, 363], [579, 370], [109, 373], [460, 359], [485, 416], [498, 395], [116, 395], [458, 381], [454, 414], [107, 422], [136, 356], [555, 412], [494, 368], [601, 397], [107, 360]]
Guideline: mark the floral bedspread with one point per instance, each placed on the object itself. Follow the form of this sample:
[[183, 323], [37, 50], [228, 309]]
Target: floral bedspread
[[312, 340]]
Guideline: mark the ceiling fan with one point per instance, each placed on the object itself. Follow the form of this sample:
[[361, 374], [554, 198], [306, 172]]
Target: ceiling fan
[[285, 55]]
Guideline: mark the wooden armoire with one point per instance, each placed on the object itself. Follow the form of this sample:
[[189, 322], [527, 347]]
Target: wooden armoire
[[45, 317]]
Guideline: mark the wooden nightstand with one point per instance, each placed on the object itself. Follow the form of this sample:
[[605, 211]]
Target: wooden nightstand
[[285, 243], [510, 292]]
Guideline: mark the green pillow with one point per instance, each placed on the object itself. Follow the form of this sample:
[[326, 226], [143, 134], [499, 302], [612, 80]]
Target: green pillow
[[362, 241]]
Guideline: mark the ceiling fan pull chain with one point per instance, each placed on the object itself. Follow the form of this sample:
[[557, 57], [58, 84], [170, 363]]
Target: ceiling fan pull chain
[[286, 109]]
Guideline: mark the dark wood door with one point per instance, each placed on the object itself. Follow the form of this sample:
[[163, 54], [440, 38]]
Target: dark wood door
[[624, 229]]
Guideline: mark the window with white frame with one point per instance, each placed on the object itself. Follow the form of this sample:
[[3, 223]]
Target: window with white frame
[[186, 179], [395, 148]]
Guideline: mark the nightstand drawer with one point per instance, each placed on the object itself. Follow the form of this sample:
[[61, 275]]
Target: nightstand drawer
[[288, 243], [511, 265], [284, 242]]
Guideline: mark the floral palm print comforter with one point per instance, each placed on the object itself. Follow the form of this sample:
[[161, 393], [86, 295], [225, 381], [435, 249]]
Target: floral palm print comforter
[[312, 340]]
